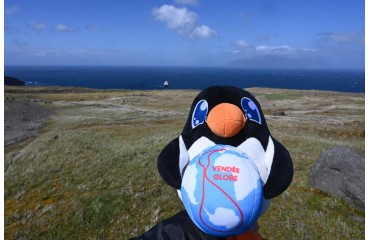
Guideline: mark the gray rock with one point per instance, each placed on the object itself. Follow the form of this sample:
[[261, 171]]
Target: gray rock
[[341, 171]]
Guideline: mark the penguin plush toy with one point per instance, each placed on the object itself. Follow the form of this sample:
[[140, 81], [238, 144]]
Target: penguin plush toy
[[225, 166]]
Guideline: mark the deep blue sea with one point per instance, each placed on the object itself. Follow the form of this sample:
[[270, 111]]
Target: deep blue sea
[[116, 77]]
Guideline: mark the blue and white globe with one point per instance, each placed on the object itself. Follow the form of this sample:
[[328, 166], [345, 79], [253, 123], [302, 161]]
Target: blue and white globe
[[222, 191]]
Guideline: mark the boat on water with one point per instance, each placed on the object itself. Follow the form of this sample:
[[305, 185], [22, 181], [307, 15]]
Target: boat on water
[[165, 84]]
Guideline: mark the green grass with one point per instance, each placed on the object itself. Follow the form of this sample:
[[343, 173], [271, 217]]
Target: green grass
[[92, 174]]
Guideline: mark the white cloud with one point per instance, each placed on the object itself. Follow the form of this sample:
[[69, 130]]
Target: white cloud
[[242, 47], [264, 48], [61, 28], [64, 28], [284, 49], [241, 44], [187, 2], [71, 53], [179, 19], [37, 26], [183, 21], [202, 32], [11, 10], [340, 38]]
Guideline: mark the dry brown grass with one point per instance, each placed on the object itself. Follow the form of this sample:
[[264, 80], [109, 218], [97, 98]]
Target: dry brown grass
[[92, 173]]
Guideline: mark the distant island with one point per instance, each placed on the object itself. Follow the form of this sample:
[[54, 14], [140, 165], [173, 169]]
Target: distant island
[[11, 81], [279, 62]]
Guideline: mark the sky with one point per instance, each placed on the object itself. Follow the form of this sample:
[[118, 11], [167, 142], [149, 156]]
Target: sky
[[308, 33]]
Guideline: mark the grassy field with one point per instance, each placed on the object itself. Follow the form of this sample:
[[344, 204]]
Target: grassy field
[[91, 173]]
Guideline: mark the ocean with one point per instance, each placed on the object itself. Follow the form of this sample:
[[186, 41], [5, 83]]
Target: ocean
[[151, 78]]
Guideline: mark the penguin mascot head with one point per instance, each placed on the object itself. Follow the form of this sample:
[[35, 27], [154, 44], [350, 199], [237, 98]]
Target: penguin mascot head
[[225, 164]]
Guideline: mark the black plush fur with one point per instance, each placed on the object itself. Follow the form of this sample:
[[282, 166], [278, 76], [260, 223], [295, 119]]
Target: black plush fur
[[180, 226], [168, 164], [281, 173], [282, 167]]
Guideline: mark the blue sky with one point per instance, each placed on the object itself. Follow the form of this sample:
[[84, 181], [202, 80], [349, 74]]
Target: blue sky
[[327, 33]]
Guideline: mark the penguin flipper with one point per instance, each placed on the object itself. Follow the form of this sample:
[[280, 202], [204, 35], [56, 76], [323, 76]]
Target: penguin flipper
[[281, 173], [168, 164]]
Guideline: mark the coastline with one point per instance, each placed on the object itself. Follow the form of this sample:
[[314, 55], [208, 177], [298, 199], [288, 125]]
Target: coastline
[[182, 78]]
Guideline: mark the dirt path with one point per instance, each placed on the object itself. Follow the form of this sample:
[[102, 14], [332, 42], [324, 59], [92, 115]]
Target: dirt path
[[22, 120]]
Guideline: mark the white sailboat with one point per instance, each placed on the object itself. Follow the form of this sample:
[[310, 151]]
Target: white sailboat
[[165, 84]]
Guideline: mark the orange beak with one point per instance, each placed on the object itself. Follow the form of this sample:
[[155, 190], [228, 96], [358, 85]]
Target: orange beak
[[226, 120]]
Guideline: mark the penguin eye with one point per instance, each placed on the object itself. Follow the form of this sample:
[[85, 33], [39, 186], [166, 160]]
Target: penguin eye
[[200, 113], [251, 110]]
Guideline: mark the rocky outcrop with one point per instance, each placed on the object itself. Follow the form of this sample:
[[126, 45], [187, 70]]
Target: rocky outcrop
[[10, 81], [341, 171]]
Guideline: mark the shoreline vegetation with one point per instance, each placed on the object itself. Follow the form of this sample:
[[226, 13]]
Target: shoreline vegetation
[[88, 171]]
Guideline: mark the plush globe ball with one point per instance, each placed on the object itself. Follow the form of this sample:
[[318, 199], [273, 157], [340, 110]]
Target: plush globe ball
[[222, 191]]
